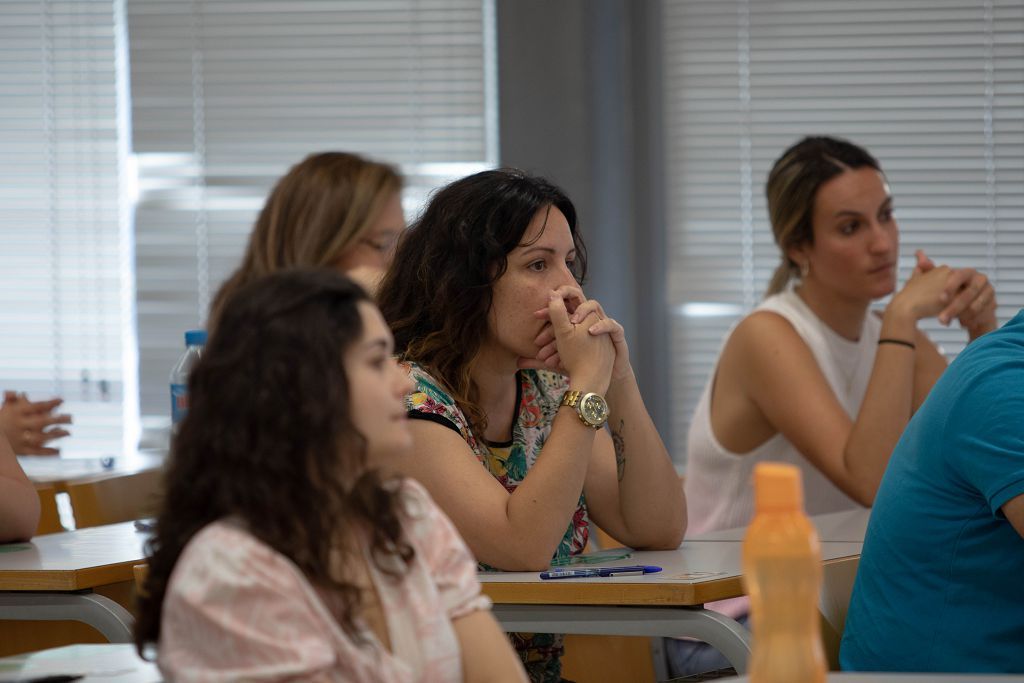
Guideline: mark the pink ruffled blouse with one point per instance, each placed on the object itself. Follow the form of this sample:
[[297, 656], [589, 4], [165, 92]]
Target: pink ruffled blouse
[[237, 610]]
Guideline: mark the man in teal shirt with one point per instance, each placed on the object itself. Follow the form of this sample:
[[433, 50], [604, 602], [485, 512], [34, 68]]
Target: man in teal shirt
[[941, 580]]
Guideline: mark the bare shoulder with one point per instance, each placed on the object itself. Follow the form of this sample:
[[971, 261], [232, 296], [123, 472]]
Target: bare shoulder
[[761, 337], [753, 398], [764, 360], [433, 439]]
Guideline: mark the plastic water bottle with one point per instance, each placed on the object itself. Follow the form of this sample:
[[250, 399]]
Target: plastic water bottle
[[194, 342], [782, 571]]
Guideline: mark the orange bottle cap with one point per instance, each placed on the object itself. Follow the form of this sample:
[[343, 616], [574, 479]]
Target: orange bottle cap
[[777, 487]]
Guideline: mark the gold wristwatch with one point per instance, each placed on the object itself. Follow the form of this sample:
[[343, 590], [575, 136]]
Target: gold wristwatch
[[591, 408]]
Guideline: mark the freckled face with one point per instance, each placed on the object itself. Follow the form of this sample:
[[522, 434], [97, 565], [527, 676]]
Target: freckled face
[[541, 263], [377, 387], [856, 238], [376, 246]]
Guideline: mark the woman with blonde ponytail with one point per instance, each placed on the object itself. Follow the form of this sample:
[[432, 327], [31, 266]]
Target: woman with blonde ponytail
[[811, 377]]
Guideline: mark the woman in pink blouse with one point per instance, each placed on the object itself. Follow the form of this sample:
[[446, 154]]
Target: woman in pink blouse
[[286, 550]]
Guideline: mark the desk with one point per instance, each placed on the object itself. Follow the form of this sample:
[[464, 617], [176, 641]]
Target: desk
[[70, 576], [848, 526], [669, 603], [115, 663], [908, 678], [58, 472]]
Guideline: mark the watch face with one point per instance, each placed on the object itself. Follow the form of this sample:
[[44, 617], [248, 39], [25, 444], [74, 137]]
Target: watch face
[[594, 409]]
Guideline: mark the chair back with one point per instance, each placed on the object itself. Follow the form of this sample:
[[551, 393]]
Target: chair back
[[141, 573], [107, 500], [49, 517], [836, 589]]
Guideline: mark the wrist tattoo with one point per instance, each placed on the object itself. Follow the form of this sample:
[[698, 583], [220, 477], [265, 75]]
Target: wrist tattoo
[[620, 449]]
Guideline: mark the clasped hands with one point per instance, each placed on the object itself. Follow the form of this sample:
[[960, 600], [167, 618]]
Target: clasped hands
[[967, 294], [579, 338]]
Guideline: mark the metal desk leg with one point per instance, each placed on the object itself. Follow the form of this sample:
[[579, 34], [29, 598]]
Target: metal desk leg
[[727, 635], [98, 611]]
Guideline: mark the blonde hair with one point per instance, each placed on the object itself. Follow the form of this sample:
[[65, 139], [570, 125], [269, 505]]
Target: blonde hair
[[316, 212], [792, 187]]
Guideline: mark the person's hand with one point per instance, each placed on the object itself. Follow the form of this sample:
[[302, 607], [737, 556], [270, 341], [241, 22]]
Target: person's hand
[[569, 347], [972, 299], [924, 295], [30, 425], [610, 327]]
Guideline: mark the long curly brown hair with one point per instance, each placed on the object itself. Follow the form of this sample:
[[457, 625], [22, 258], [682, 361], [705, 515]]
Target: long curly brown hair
[[438, 292], [269, 441]]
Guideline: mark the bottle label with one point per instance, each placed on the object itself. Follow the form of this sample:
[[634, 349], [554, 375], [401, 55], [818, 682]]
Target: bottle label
[[179, 402]]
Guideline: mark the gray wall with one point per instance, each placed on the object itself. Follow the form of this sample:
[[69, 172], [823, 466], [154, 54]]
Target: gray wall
[[579, 102]]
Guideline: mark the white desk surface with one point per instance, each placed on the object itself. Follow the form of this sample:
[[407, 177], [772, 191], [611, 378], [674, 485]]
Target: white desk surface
[[115, 663], [59, 471], [834, 677], [696, 573], [72, 560], [848, 526]]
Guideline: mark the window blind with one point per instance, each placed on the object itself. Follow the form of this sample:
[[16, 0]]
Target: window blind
[[228, 94], [64, 266], [933, 88]]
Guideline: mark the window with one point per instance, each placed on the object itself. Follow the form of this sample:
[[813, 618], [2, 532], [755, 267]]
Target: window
[[933, 88], [129, 191], [227, 95], [65, 299]]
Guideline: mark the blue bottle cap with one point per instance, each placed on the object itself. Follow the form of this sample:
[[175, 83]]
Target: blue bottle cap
[[195, 338]]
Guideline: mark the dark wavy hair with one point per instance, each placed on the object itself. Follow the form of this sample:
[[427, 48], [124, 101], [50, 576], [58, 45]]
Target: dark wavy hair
[[791, 189], [437, 294], [269, 441]]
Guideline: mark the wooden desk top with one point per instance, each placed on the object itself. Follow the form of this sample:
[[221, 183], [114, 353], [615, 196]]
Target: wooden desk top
[[58, 471], [696, 573], [848, 526], [73, 560], [836, 677]]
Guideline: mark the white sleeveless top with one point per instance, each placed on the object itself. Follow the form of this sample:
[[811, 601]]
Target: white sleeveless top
[[719, 492]]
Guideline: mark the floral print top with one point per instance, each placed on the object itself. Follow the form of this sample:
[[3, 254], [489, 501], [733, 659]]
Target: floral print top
[[539, 395]]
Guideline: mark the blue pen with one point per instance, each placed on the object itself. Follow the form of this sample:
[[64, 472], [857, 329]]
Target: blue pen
[[600, 572]]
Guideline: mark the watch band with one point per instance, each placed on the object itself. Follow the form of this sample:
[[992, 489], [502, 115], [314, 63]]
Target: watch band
[[571, 398], [576, 399]]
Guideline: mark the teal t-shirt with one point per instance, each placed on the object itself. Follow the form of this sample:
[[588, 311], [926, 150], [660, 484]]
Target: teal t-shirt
[[940, 585]]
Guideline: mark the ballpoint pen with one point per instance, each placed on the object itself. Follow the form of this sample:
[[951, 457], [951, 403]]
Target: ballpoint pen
[[600, 572]]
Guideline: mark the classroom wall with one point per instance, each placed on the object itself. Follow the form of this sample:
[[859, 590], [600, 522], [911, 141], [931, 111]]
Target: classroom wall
[[578, 103]]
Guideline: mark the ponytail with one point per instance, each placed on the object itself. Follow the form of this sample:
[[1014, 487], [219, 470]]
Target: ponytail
[[780, 278]]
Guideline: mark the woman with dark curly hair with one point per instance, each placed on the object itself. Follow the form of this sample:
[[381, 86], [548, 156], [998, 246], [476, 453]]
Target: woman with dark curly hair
[[285, 550], [516, 374]]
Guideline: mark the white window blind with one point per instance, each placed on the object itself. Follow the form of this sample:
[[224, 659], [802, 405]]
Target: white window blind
[[65, 301], [933, 88], [226, 95]]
